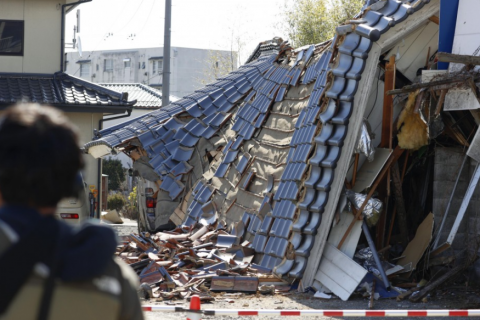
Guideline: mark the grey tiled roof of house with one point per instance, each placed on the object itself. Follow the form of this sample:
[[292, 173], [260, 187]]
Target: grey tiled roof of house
[[284, 217], [59, 90], [146, 97]]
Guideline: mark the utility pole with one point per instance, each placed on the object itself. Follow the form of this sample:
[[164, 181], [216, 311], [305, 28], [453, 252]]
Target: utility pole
[[166, 54]]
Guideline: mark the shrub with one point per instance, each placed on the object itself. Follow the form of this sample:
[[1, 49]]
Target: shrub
[[131, 211], [116, 202]]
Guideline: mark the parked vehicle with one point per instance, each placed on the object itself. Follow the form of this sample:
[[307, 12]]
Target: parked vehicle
[[147, 207], [74, 210]]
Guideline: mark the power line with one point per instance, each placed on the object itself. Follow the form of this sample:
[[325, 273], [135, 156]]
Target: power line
[[114, 22]]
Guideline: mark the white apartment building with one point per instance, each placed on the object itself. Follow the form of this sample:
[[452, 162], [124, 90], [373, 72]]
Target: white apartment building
[[190, 68]]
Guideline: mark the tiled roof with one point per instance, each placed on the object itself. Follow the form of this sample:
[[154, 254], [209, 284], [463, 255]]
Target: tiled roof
[[292, 168], [58, 90], [146, 97]]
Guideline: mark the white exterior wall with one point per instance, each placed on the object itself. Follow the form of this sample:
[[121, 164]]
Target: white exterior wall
[[187, 67], [41, 38], [467, 30], [86, 123]]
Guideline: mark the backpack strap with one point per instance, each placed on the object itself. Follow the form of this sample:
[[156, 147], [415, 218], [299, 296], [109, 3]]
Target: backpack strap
[[16, 267]]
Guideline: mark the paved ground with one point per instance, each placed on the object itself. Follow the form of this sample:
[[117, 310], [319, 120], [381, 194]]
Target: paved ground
[[128, 227], [443, 299]]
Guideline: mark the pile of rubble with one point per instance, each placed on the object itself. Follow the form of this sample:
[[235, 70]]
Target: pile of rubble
[[177, 264]]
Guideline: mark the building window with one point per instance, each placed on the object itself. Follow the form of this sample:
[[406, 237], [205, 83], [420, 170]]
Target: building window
[[11, 37], [126, 63], [108, 65], [84, 70], [97, 67], [157, 66], [143, 65]]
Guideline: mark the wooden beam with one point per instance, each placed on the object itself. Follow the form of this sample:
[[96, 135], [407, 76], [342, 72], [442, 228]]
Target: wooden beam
[[458, 58], [434, 19], [451, 81]]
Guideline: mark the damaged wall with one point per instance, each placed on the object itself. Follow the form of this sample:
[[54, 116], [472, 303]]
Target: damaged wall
[[447, 165]]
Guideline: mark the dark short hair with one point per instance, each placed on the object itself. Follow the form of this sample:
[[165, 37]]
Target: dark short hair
[[39, 156]]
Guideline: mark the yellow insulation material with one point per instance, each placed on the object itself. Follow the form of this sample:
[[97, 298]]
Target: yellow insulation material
[[412, 129]]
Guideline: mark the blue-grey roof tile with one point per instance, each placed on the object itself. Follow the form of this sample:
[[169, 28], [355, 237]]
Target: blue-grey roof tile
[[259, 242], [222, 170], [284, 267], [180, 134], [181, 168], [326, 179], [325, 134], [230, 156], [265, 226], [302, 220], [189, 140], [182, 153], [320, 202], [313, 223], [332, 157], [338, 136], [306, 246]]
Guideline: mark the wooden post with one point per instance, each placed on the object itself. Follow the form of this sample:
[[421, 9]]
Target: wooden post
[[387, 120], [386, 142]]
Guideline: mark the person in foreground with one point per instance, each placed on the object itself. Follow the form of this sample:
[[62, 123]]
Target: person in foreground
[[49, 270]]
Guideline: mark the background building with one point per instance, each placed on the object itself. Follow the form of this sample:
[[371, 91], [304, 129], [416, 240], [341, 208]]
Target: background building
[[190, 68]]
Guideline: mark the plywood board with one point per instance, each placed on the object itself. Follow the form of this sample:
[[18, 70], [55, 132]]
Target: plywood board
[[339, 273], [416, 248], [370, 170]]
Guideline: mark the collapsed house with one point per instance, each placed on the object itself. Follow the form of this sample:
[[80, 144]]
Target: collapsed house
[[300, 155]]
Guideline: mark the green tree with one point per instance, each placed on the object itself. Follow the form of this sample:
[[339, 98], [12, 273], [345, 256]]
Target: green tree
[[314, 21], [115, 171]]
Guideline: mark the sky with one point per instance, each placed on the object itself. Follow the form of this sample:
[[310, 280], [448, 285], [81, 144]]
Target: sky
[[205, 24]]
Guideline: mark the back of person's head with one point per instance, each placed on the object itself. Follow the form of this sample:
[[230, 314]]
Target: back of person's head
[[39, 156]]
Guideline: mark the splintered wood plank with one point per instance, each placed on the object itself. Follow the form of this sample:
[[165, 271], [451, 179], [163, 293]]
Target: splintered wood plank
[[339, 273]]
